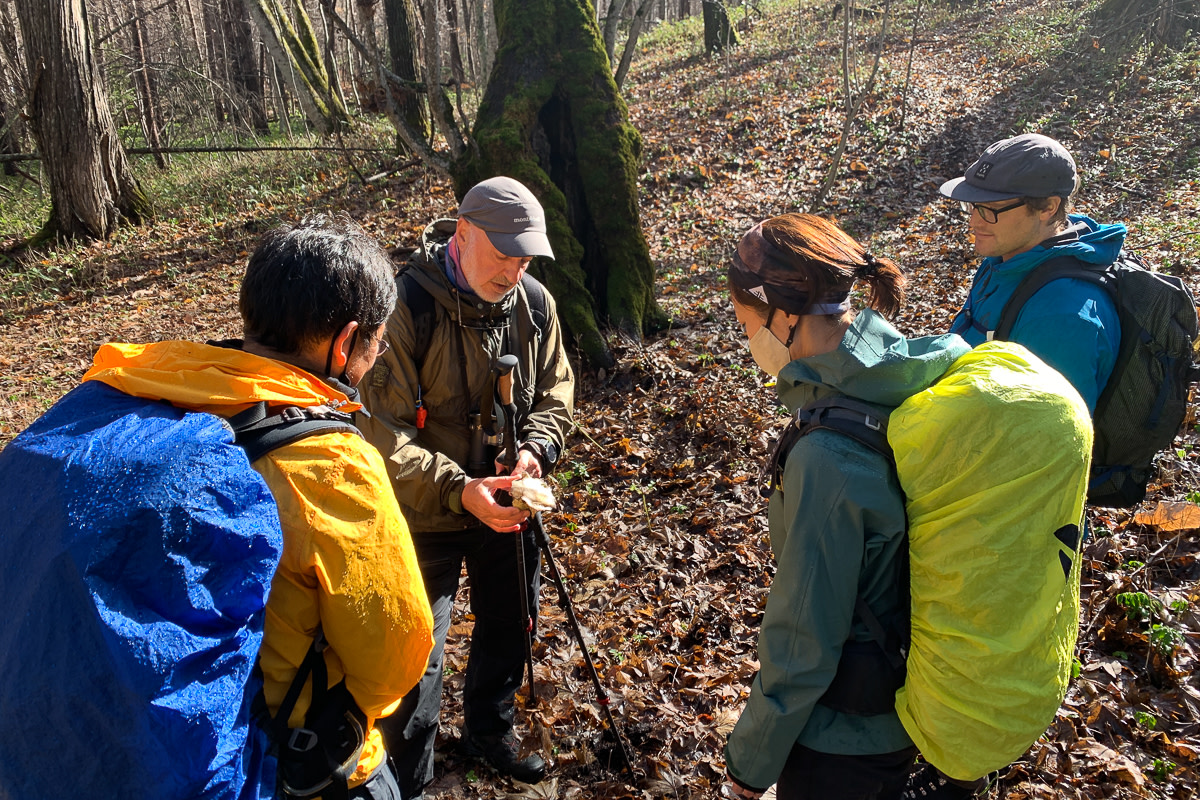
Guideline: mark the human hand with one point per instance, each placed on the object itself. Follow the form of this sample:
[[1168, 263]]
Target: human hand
[[479, 499], [732, 791], [528, 465]]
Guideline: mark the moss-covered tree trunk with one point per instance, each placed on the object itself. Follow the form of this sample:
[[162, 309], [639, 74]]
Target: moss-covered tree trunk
[[295, 43], [552, 118], [92, 188]]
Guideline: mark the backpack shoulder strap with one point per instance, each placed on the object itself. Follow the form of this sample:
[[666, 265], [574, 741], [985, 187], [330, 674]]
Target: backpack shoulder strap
[[323, 754], [258, 432], [849, 417], [537, 302], [1049, 270], [420, 307], [849, 692]]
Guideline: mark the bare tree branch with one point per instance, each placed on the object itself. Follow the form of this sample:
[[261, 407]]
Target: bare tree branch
[[102, 39], [854, 100], [412, 137], [635, 30]]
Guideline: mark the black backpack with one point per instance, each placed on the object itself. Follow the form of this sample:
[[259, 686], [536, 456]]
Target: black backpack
[[1145, 401], [871, 670]]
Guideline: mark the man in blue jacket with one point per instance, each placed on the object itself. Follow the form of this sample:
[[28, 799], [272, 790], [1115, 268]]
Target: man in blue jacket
[[1018, 195]]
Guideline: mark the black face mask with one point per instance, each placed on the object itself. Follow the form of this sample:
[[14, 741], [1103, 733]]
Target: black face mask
[[329, 359]]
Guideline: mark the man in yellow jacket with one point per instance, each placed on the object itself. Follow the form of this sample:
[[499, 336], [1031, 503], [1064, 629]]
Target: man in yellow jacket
[[314, 302]]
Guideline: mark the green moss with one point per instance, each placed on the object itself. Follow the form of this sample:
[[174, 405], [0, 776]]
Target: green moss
[[551, 55]]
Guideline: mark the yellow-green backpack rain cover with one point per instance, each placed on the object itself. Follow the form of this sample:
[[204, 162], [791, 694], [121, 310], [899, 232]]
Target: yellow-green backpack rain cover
[[993, 459]]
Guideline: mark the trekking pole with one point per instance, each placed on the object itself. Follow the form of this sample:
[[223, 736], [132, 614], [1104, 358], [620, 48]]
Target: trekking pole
[[504, 370], [564, 601], [505, 366]]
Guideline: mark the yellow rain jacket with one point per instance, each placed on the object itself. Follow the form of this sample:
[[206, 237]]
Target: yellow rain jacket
[[348, 561]]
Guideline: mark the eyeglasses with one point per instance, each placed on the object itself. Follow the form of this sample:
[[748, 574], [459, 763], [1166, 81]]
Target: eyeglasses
[[989, 215], [381, 346]]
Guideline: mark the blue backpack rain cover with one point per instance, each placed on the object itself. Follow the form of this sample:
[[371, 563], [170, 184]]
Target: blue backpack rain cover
[[136, 550]]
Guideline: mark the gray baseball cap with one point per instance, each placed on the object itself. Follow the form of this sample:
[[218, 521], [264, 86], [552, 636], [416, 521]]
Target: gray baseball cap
[[510, 215], [1030, 165]]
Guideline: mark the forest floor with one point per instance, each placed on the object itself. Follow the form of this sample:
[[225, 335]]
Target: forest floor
[[662, 536]]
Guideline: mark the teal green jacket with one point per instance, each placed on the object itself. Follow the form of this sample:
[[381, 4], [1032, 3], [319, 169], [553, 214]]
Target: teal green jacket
[[837, 531]]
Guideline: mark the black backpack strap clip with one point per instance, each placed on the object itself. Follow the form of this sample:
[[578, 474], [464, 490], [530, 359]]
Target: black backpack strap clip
[[852, 418], [258, 431]]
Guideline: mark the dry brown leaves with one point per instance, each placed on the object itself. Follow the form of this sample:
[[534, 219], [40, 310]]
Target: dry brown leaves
[[661, 536]]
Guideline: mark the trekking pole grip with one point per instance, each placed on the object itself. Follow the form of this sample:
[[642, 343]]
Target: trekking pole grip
[[504, 384]]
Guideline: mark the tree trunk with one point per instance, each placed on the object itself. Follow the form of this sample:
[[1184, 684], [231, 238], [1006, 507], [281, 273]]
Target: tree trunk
[[401, 19], [440, 110], [144, 83], [233, 63], [193, 28], [91, 185], [467, 21], [718, 33], [360, 21], [218, 62], [456, 62], [611, 23], [11, 90], [552, 118], [8, 129], [281, 103], [485, 25], [635, 30], [294, 44], [331, 60]]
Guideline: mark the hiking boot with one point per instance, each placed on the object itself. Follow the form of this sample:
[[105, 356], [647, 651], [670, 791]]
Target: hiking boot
[[501, 753]]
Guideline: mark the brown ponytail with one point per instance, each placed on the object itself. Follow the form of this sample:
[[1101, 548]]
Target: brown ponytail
[[825, 259]]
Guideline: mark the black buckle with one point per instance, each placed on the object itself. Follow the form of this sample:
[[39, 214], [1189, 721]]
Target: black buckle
[[302, 740]]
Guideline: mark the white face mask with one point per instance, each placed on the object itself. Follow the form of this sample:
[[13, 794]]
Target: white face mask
[[769, 353]]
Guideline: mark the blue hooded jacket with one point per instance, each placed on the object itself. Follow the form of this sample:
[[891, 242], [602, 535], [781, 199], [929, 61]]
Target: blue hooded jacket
[[1070, 324]]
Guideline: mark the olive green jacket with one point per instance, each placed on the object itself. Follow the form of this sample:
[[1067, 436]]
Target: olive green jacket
[[428, 466]]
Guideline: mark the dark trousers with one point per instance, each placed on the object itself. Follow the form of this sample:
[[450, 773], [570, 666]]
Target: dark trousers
[[495, 666], [809, 775]]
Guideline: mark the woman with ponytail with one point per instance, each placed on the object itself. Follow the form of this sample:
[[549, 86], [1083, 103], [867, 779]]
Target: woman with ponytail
[[820, 720]]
